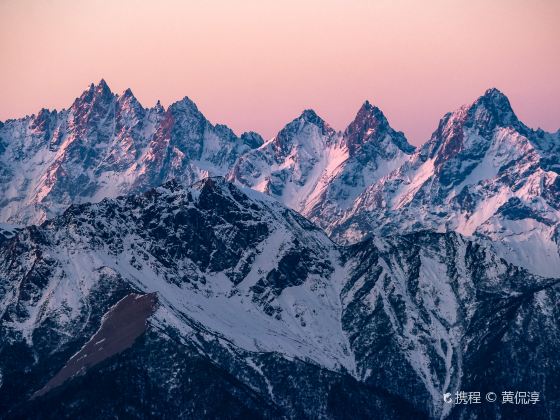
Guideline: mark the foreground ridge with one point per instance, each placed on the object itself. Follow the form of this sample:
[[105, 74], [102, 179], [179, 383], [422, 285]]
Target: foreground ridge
[[259, 306]]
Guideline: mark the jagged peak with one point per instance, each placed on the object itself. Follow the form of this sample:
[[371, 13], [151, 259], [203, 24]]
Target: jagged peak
[[371, 123], [495, 93], [128, 98], [370, 115], [309, 116], [159, 107], [103, 85], [252, 139], [490, 111], [367, 106], [44, 112], [185, 109], [493, 108], [94, 93], [283, 141], [128, 93], [184, 104], [102, 89], [494, 98]]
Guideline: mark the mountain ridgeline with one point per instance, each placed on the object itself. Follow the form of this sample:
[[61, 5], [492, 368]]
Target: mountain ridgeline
[[156, 265]]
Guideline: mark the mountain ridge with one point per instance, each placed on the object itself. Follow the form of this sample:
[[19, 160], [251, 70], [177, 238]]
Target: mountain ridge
[[259, 292]]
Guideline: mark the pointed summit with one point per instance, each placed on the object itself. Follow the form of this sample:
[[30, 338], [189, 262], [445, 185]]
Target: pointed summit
[[128, 93], [129, 107], [252, 139], [491, 109], [467, 133], [496, 99], [103, 85], [370, 125], [186, 107], [297, 132], [367, 122], [367, 106], [159, 107], [97, 96], [102, 90], [129, 98], [311, 117]]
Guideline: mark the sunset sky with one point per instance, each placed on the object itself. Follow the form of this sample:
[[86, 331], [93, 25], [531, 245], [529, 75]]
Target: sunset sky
[[255, 65]]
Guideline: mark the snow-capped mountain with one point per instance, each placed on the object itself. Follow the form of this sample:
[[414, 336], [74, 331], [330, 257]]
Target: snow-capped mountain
[[156, 299], [482, 174], [105, 145], [257, 307], [319, 172]]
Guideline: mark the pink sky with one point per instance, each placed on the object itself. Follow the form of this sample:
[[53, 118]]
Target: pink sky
[[255, 65]]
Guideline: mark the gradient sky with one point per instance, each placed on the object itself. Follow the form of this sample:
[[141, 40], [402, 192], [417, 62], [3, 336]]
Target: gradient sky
[[255, 65]]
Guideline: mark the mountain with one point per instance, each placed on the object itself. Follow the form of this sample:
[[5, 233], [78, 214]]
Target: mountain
[[483, 174], [160, 304], [319, 172], [105, 145]]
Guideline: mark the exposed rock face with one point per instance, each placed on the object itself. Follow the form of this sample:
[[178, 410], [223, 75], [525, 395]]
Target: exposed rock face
[[366, 179], [107, 145], [259, 308], [482, 174], [318, 172]]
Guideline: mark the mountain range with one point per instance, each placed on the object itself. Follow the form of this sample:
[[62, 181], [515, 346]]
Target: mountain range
[[153, 264]]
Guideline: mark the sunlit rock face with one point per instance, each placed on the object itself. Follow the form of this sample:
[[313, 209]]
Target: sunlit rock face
[[107, 145], [483, 174]]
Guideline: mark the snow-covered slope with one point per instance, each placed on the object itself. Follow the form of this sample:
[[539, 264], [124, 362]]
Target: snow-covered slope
[[262, 294], [483, 174], [435, 309], [319, 172], [106, 145], [212, 253], [289, 166]]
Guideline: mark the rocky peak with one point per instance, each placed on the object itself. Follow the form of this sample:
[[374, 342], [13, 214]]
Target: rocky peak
[[159, 107], [310, 116], [370, 124], [128, 93], [252, 139], [185, 105], [490, 110], [128, 97], [188, 121], [129, 106], [42, 120], [96, 100], [308, 120], [103, 89]]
